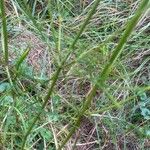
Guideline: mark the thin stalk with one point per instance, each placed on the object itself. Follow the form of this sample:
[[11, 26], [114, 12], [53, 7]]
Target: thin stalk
[[9, 76], [120, 103], [79, 118], [59, 39], [104, 74], [4, 32], [97, 47], [20, 61], [5, 39], [26, 10], [86, 22], [50, 90], [22, 58], [16, 11]]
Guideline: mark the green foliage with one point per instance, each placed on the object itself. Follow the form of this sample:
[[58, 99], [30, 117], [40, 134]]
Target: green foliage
[[21, 59], [46, 134], [4, 87], [142, 109], [89, 74], [144, 105]]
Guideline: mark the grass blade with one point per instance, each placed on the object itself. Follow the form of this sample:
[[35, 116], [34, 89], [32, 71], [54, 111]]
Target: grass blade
[[22, 58], [5, 39], [103, 76], [56, 75], [4, 32]]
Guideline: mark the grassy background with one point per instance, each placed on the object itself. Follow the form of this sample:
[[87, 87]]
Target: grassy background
[[39, 35]]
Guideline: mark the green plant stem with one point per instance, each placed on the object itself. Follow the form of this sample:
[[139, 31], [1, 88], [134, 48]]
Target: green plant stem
[[86, 22], [5, 40], [79, 118], [104, 74], [43, 106], [50, 90], [24, 7], [4, 32], [22, 58]]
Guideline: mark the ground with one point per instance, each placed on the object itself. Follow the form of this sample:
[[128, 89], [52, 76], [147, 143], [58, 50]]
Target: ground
[[118, 117]]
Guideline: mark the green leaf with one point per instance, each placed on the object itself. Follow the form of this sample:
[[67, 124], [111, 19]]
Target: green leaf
[[46, 134], [22, 58], [56, 100], [148, 133], [54, 117], [143, 96], [4, 86], [143, 132], [7, 100], [145, 113], [142, 104]]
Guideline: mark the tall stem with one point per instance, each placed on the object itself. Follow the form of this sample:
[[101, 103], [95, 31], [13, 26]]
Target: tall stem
[[104, 74], [4, 32], [50, 90], [5, 39]]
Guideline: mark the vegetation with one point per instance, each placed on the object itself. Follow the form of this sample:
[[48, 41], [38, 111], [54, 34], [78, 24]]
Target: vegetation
[[75, 74]]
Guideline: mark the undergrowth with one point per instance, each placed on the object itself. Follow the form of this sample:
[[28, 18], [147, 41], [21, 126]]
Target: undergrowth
[[74, 75]]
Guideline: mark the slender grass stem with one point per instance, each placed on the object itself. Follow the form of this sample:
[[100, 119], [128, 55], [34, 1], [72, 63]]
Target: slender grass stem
[[22, 58], [4, 32], [59, 39], [26, 10], [5, 40], [85, 23], [50, 90], [104, 74], [79, 118]]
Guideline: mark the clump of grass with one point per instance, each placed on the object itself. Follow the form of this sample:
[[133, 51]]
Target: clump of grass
[[42, 105], [107, 69]]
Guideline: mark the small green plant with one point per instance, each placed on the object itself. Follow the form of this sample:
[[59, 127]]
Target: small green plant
[[142, 109], [144, 105]]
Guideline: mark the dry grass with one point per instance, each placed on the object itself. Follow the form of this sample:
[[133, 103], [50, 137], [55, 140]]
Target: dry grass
[[132, 70]]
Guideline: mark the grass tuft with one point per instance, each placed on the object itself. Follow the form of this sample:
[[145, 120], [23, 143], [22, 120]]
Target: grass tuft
[[74, 74]]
